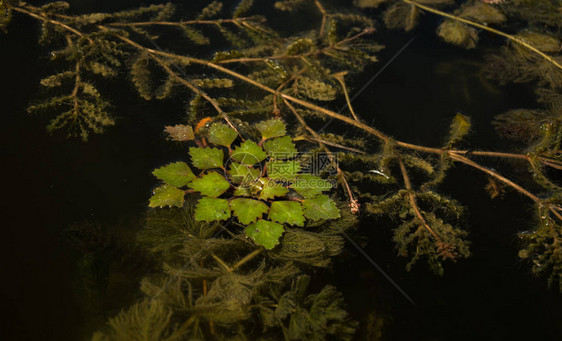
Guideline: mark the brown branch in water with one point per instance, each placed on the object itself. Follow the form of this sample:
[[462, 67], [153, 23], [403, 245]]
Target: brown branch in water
[[221, 262], [353, 202], [340, 78], [49, 20], [553, 208], [455, 155], [287, 98], [556, 164], [74, 93], [324, 17], [413, 202], [198, 91], [246, 259], [183, 81], [276, 110], [188, 22], [365, 31], [332, 144]]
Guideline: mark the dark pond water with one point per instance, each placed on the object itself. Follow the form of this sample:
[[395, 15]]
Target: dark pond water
[[52, 184]]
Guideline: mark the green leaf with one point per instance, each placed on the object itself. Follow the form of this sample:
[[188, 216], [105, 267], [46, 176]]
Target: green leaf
[[459, 128], [242, 174], [265, 233], [211, 209], [249, 153], [289, 212], [222, 134], [211, 184], [167, 195], [248, 210], [176, 174], [272, 189], [283, 170], [180, 132], [280, 148], [206, 158], [310, 186], [320, 207], [271, 128]]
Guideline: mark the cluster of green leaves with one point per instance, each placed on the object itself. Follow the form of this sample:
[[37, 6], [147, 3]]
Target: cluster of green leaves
[[258, 179]]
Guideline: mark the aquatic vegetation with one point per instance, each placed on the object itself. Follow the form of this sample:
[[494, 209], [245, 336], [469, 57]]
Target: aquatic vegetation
[[258, 181], [244, 163]]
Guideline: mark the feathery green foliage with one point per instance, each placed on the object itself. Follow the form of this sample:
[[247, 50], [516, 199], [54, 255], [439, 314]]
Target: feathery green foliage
[[458, 33], [542, 247], [252, 184]]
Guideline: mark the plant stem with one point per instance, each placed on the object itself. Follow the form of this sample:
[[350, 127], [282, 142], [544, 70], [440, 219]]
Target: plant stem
[[197, 91], [413, 202], [337, 145], [486, 28], [340, 78], [246, 259], [298, 56], [186, 22], [49, 20], [221, 262], [353, 203], [454, 154], [324, 17]]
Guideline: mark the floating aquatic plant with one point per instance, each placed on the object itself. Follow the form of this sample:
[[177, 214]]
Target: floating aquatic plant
[[254, 182], [243, 178]]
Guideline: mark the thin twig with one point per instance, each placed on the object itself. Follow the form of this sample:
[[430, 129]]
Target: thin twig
[[198, 91], [332, 144], [340, 78], [365, 31], [246, 259], [324, 17], [187, 22], [221, 262], [413, 202], [74, 94], [353, 202], [49, 20]]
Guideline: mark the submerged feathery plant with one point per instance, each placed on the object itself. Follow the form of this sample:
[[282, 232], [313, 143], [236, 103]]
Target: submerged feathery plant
[[253, 283]]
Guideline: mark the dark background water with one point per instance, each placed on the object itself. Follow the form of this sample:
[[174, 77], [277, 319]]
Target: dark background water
[[51, 184]]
